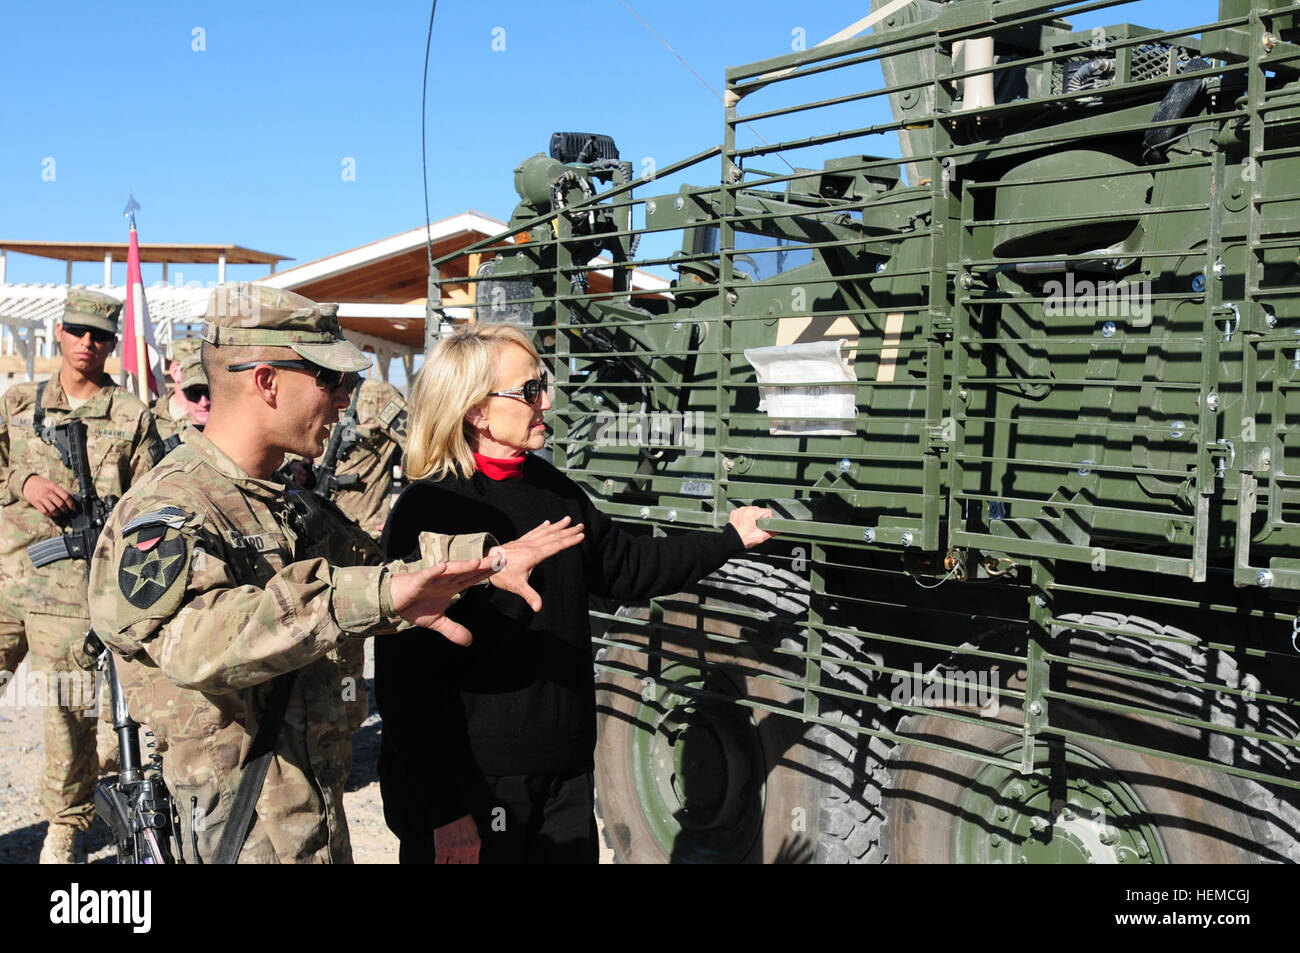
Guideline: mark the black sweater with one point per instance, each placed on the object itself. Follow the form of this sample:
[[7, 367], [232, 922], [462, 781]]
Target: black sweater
[[520, 700]]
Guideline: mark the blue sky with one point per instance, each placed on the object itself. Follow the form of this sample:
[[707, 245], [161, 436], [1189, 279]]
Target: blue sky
[[233, 122]]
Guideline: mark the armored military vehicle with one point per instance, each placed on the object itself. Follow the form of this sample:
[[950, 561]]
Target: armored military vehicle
[[1000, 317]]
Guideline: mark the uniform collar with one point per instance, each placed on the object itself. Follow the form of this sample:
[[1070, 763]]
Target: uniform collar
[[56, 398], [215, 457]]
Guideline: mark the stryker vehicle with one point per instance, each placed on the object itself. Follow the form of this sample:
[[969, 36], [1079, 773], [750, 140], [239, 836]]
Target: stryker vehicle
[[1023, 391]]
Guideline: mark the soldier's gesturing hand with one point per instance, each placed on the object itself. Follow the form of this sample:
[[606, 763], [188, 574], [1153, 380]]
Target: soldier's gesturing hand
[[422, 597], [47, 496], [530, 549]]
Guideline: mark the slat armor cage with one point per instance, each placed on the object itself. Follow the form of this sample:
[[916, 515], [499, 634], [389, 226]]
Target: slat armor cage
[[1034, 598]]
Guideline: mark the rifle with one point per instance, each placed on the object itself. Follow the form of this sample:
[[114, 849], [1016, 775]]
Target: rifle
[[343, 441], [92, 512], [135, 805]]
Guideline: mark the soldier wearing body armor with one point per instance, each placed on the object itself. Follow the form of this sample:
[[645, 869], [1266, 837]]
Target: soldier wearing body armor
[[228, 593], [43, 608]]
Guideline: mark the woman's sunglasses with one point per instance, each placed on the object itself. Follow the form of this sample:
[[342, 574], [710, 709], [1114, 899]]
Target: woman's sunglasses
[[530, 392], [326, 377]]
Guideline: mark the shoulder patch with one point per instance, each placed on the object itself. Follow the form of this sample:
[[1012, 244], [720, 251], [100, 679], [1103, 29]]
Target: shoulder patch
[[151, 572], [172, 516], [393, 416]]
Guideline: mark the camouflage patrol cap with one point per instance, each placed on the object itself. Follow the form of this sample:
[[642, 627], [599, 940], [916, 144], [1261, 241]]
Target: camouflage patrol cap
[[246, 314], [182, 349], [91, 309], [192, 373]]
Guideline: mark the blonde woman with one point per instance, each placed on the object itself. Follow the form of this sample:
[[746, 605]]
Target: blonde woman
[[488, 750]]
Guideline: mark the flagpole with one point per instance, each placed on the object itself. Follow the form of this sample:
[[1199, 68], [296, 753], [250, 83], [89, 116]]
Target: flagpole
[[135, 294], [141, 355]]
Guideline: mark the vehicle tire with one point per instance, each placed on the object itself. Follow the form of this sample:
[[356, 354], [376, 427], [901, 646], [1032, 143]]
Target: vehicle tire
[[1118, 805], [702, 756]]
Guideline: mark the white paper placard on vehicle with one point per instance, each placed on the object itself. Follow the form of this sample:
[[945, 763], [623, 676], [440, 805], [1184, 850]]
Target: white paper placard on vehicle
[[807, 389]]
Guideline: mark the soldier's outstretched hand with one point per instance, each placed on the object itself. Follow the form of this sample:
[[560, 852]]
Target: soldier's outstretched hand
[[524, 553], [422, 597]]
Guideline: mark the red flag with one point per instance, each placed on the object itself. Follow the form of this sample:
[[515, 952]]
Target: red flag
[[137, 330]]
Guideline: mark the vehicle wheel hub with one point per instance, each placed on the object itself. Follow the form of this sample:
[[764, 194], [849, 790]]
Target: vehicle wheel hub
[[699, 774], [1093, 817]]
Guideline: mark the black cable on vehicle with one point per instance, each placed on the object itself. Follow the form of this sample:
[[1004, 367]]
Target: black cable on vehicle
[[424, 162]]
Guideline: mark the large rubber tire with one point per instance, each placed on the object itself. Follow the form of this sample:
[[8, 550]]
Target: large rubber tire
[[944, 807], [700, 778]]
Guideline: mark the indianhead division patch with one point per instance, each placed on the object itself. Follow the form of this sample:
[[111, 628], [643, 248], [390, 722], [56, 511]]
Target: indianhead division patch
[[153, 563]]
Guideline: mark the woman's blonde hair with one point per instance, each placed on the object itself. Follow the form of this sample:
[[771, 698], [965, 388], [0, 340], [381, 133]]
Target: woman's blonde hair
[[458, 374]]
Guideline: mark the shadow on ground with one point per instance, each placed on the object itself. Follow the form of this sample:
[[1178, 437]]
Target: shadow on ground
[[23, 846], [365, 747]]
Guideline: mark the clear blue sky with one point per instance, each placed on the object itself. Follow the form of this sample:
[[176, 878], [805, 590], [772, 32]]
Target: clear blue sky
[[244, 140]]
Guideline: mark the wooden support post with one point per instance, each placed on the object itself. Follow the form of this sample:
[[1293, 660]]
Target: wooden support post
[[475, 262]]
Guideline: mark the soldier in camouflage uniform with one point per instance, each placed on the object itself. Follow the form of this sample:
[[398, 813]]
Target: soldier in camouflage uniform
[[44, 610], [380, 416], [224, 589], [187, 401]]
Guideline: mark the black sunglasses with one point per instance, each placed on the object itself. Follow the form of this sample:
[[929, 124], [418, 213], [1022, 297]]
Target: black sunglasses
[[98, 335], [196, 393], [530, 392], [326, 377]]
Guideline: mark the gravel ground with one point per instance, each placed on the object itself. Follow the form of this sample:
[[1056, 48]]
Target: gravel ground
[[22, 826]]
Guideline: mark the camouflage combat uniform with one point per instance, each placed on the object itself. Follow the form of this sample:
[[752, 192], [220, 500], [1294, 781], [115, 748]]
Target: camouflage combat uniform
[[212, 583], [45, 609], [166, 419], [206, 577], [381, 437], [381, 419], [170, 419]]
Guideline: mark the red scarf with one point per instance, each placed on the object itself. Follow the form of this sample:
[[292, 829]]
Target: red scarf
[[497, 468]]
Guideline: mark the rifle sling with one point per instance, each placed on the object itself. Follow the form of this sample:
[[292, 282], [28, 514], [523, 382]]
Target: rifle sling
[[38, 412], [240, 820]]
